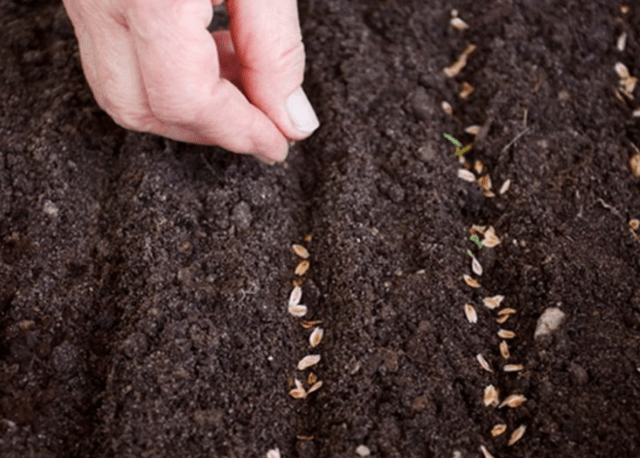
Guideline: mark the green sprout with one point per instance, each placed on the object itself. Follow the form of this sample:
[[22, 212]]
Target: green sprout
[[458, 145]]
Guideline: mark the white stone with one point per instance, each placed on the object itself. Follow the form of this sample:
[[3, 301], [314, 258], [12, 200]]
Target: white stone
[[549, 321]]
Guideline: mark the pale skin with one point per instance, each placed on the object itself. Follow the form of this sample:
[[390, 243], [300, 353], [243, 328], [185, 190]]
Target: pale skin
[[154, 67]]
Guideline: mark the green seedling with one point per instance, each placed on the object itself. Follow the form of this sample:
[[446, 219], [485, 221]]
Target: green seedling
[[458, 145], [477, 240]]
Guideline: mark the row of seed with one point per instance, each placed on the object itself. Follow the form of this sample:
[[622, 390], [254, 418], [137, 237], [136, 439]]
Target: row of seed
[[491, 396], [299, 310]]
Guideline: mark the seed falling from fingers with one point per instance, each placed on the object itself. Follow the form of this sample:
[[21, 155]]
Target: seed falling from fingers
[[517, 435], [498, 429], [308, 361], [483, 363], [491, 396], [513, 401], [470, 313], [316, 337]]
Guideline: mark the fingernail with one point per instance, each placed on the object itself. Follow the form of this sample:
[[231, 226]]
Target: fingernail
[[301, 112], [264, 160]]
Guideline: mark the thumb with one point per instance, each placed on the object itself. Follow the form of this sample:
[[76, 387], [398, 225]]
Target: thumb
[[268, 43]]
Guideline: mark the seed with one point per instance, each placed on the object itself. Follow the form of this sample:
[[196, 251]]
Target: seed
[[296, 295], [490, 238], [316, 337], [504, 349], [275, 453], [628, 85], [299, 250], [505, 187], [493, 302], [465, 90], [504, 334], [498, 429], [634, 224], [298, 310], [513, 368], [622, 41], [491, 396], [471, 314], [473, 129], [622, 70], [447, 108], [624, 9], [475, 229], [507, 311], [485, 182], [310, 324], [476, 266], [636, 113], [488, 193], [470, 281], [298, 392], [634, 163], [478, 166], [513, 401], [502, 319], [308, 361], [308, 238], [466, 175], [517, 435], [458, 23], [302, 267], [312, 378], [483, 363], [485, 452], [316, 386]]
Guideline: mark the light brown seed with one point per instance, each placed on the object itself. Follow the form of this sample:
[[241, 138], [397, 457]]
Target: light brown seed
[[485, 452], [488, 193], [493, 302], [491, 396], [636, 113], [622, 70], [504, 349], [470, 313], [310, 324], [502, 319], [300, 251], [483, 363], [507, 311], [475, 229], [504, 334], [312, 378], [302, 267], [316, 337], [628, 85], [513, 368], [470, 281], [466, 175], [621, 43], [490, 238], [308, 361], [465, 90], [275, 453], [316, 386], [498, 429], [447, 108], [295, 296], [478, 166], [634, 224], [624, 9], [505, 187], [298, 310], [458, 23], [634, 164], [517, 435], [308, 238], [513, 401], [298, 392], [476, 267], [473, 129], [485, 182]]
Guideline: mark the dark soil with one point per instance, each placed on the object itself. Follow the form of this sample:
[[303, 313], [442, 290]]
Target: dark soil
[[143, 282]]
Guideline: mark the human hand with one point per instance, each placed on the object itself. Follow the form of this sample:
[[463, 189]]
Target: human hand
[[154, 67]]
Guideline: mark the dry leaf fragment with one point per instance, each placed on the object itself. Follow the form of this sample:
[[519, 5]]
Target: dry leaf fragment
[[466, 175], [498, 429], [505, 187], [483, 363], [485, 452], [493, 302], [458, 23], [517, 435], [513, 401], [470, 313], [302, 267], [315, 387], [308, 361], [513, 368], [504, 349], [316, 337], [470, 281], [504, 334], [473, 129], [491, 396], [300, 251]]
